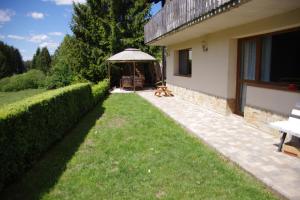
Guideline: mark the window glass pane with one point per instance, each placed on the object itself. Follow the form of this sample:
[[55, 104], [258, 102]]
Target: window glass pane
[[266, 58], [248, 60], [285, 59], [185, 62], [190, 54]]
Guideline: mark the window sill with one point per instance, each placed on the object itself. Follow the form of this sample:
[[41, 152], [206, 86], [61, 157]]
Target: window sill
[[274, 86], [181, 75]]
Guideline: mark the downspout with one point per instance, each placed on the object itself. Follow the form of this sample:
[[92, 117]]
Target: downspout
[[163, 65], [163, 54]]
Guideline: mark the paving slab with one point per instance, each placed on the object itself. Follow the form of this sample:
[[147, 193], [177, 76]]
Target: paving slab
[[253, 150]]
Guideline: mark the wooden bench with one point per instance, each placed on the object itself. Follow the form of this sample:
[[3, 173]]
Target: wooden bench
[[291, 126]]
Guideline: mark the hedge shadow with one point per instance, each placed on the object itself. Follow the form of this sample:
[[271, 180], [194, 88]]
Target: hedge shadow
[[46, 172]]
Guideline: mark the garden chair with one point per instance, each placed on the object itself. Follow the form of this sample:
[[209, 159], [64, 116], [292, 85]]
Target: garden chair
[[126, 82], [139, 82]]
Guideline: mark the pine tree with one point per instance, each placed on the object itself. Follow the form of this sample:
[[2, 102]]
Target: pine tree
[[91, 28], [10, 61], [44, 60], [105, 27], [27, 65], [20, 68], [35, 60]]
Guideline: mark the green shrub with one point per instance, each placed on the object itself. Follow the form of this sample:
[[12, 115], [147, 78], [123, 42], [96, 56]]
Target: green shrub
[[30, 80], [30, 126], [59, 77], [100, 90]]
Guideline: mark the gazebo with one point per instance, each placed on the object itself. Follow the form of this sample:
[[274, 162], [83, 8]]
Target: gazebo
[[130, 55]]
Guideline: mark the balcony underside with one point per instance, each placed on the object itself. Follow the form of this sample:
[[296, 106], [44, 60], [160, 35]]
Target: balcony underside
[[248, 12]]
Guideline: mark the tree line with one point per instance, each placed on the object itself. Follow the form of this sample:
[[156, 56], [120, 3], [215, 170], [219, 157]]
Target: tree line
[[10, 61], [100, 29], [41, 60]]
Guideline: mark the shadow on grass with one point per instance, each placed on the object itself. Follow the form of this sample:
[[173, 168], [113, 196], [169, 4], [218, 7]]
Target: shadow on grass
[[46, 172]]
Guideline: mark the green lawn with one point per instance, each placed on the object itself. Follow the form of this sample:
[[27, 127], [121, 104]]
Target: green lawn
[[127, 149], [10, 97]]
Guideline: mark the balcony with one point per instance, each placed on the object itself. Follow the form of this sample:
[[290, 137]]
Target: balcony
[[178, 14]]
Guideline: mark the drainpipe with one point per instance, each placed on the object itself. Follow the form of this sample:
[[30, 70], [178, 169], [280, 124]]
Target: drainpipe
[[163, 55]]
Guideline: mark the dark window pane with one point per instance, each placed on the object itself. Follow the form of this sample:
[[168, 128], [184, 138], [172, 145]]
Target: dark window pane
[[185, 62], [285, 60]]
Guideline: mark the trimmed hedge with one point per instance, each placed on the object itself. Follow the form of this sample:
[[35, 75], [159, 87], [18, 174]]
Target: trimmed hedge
[[100, 90], [29, 127]]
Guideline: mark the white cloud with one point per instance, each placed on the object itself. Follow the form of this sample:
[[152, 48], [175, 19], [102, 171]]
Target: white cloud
[[5, 15], [66, 2], [26, 58], [38, 38], [16, 37], [36, 15], [32, 38], [2, 37], [55, 33], [50, 45]]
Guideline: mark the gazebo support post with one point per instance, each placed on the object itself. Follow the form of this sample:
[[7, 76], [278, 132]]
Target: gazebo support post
[[134, 76], [108, 71], [109, 74]]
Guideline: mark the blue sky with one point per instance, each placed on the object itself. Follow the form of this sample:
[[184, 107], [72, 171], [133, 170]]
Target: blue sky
[[28, 24]]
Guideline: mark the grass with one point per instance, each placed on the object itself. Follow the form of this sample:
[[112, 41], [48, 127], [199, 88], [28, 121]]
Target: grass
[[127, 149], [10, 97]]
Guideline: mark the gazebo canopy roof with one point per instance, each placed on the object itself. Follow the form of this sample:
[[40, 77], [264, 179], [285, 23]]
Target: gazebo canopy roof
[[131, 55]]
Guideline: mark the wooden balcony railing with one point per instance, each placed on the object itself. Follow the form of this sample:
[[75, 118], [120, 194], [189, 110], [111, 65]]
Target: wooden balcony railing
[[178, 13]]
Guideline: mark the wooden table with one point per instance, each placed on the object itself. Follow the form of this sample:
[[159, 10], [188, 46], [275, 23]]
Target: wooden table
[[163, 90]]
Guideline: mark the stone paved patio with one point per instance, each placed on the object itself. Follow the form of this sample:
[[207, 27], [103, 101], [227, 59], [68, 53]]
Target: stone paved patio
[[250, 148]]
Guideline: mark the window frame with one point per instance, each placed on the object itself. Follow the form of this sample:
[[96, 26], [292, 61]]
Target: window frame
[[177, 71], [257, 82]]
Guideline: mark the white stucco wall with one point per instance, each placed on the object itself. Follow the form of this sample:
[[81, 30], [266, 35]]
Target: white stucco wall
[[209, 68], [278, 101], [214, 71]]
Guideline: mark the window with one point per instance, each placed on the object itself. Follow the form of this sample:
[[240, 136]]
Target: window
[[185, 62], [280, 61], [271, 59]]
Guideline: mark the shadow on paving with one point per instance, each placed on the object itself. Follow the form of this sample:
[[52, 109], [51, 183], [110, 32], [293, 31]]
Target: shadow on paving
[[46, 172]]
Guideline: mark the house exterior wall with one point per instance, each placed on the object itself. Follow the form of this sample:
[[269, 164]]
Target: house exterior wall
[[208, 68], [267, 105], [213, 80], [280, 102]]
